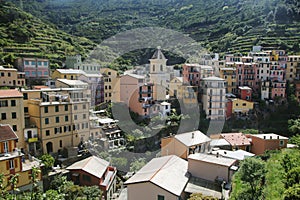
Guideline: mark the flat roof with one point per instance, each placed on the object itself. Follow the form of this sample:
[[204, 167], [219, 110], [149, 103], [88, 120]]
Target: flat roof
[[270, 136], [72, 82], [213, 78], [168, 172], [70, 71], [192, 138], [212, 159], [238, 154]]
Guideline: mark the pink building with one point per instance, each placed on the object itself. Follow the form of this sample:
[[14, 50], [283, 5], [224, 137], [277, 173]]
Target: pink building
[[247, 74], [34, 68], [278, 89], [191, 74], [276, 72], [245, 93]]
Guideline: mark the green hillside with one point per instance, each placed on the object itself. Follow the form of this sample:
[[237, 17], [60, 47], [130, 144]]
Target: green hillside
[[25, 35], [220, 25]]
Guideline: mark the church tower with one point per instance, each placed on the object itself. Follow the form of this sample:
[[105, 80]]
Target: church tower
[[159, 75]]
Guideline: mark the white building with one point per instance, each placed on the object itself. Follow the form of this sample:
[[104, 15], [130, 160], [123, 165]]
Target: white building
[[213, 99]]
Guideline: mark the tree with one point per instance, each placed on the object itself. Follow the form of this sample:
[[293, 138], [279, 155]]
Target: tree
[[295, 140], [91, 192], [48, 161], [53, 195], [137, 164], [3, 191], [14, 182], [34, 181], [292, 193], [294, 126], [252, 172], [293, 177]]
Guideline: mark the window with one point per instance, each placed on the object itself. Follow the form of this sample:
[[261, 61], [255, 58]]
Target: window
[[84, 116], [86, 178], [57, 119], [244, 104], [13, 115], [56, 108], [160, 197], [46, 73], [46, 120], [281, 143], [66, 118], [25, 109], [13, 102], [86, 125], [47, 132], [3, 116], [15, 128], [33, 73], [66, 108], [25, 96], [75, 107], [60, 143], [75, 117], [9, 74], [5, 147], [3, 103], [82, 126], [39, 73], [11, 164], [46, 110], [84, 106]]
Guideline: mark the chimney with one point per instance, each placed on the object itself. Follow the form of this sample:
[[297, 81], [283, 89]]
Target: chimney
[[217, 155], [264, 137], [192, 135], [277, 137]]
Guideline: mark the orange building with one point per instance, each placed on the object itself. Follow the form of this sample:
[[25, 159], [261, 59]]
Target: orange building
[[264, 142], [12, 160]]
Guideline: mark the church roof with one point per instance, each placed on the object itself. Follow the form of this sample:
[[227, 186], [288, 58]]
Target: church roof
[[158, 54]]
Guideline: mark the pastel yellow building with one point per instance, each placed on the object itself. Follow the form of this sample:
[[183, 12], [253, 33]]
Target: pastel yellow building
[[291, 67], [12, 113], [13, 162], [61, 117], [10, 77], [111, 85], [241, 106], [229, 75], [175, 85], [71, 74]]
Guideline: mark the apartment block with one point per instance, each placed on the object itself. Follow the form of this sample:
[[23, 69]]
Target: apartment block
[[291, 68], [229, 75], [12, 112], [10, 77], [70, 74], [111, 85], [213, 99], [34, 68], [61, 117]]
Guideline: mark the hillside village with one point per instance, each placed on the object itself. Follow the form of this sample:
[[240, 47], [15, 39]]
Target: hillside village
[[75, 113]]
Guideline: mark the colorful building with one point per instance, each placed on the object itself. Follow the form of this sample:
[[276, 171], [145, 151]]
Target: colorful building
[[270, 141], [111, 85], [94, 171], [70, 74], [12, 113], [13, 162], [34, 68], [213, 99], [10, 77], [61, 117], [291, 68], [229, 75]]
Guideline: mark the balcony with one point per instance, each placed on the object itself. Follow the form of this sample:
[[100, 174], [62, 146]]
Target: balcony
[[34, 139], [145, 91]]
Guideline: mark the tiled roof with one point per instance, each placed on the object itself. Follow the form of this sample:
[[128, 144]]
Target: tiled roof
[[92, 165], [236, 139], [6, 133], [10, 93], [168, 172]]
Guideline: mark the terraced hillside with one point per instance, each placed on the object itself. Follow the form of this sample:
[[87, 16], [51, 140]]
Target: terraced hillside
[[25, 35], [220, 25]]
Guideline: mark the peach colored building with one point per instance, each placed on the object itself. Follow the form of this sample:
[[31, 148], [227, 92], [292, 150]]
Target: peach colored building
[[161, 178], [184, 144], [10, 77], [111, 85], [237, 140], [12, 162], [211, 167], [269, 141], [12, 113]]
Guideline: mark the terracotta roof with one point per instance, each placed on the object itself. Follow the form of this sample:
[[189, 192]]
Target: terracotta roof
[[10, 93], [236, 139], [6, 133]]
